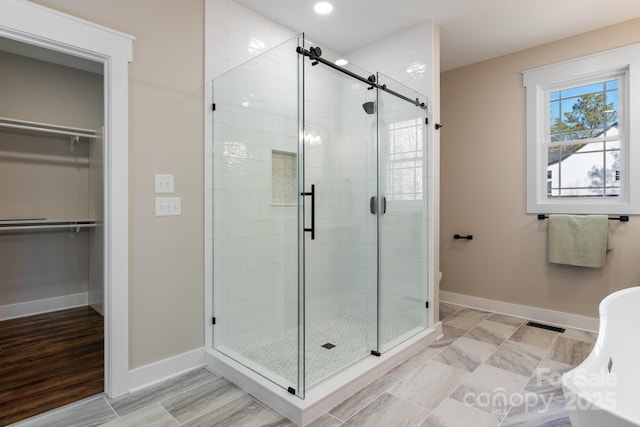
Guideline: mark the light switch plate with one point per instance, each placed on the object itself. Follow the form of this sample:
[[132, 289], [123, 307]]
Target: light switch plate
[[168, 206], [163, 183]]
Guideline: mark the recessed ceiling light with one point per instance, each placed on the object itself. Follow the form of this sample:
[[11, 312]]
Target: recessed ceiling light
[[323, 8], [341, 62]]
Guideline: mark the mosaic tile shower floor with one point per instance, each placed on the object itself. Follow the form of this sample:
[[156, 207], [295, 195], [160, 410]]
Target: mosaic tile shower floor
[[353, 338]]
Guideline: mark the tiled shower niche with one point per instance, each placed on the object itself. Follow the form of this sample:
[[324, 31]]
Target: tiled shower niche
[[283, 178]]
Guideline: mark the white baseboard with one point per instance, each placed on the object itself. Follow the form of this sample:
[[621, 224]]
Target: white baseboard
[[161, 370], [537, 314], [29, 308]]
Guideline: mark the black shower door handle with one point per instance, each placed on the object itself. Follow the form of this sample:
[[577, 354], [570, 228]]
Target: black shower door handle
[[372, 205], [312, 193]]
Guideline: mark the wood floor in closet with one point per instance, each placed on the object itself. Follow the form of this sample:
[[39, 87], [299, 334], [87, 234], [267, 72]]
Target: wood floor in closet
[[49, 360]]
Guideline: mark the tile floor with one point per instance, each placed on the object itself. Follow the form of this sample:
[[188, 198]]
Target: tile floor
[[487, 370]]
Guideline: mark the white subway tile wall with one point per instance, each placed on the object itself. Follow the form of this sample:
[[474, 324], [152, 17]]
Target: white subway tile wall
[[256, 270]]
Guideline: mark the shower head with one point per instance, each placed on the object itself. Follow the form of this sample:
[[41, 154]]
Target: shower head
[[369, 107]]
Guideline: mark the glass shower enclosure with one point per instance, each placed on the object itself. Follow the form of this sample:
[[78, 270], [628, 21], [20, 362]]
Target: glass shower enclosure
[[319, 215]]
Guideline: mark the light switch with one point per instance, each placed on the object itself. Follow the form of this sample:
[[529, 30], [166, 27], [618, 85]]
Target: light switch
[[163, 183], [168, 206]]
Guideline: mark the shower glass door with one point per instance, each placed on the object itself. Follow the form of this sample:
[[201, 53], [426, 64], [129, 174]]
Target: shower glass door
[[402, 135], [340, 181], [255, 215]]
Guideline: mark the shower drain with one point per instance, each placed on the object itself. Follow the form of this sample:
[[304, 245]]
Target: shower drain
[[328, 346]]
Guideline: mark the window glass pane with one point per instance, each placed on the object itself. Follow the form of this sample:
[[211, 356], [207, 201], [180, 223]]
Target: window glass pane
[[612, 84], [583, 116], [583, 192], [611, 108], [554, 95], [581, 170], [554, 117], [586, 148], [582, 90], [612, 167], [613, 145]]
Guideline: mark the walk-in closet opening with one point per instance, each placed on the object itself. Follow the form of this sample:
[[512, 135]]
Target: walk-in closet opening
[[51, 230], [320, 215]]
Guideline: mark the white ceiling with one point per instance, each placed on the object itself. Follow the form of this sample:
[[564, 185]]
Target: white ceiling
[[470, 30]]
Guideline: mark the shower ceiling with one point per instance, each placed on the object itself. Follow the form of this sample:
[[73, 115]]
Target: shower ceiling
[[470, 30]]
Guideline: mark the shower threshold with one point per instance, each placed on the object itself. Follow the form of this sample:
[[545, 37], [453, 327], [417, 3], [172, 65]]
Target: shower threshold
[[325, 394]]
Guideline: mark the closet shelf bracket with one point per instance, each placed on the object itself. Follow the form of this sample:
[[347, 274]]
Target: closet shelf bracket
[[73, 140]]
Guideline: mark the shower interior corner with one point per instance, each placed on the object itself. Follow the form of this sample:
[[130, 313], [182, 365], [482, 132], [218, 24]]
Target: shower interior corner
[[320, 209]]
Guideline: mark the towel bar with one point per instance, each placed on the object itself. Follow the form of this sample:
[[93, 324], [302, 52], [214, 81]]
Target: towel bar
[[621, 218]]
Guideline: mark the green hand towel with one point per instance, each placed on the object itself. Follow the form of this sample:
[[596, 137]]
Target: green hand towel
[[581, 240]]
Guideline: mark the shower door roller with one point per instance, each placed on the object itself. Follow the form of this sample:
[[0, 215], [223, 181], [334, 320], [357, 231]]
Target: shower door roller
[[372, 205], [312, 193]]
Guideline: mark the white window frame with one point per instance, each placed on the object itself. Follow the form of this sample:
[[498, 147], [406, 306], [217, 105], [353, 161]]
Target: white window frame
[[538, 83]]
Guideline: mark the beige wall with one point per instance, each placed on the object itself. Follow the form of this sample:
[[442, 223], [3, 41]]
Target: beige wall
[[166, 121], [483, 189]]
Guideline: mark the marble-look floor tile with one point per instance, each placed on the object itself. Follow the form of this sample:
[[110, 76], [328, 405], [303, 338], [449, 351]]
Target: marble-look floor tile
[[87, 413], [447, 310], [152, 415], [325, 420], [492, 332], [547, 378], [466, 353], [241, 412], [428, 385], [570, 351], [579, 335], [507, 320], [538, 411], [453, 413], [537, 337], [279, 422], [363, 397], [517, 358], [466, 318], [388, 410], [490, 389], [415, 361], [449, 335], [141, 398], [201, 399]]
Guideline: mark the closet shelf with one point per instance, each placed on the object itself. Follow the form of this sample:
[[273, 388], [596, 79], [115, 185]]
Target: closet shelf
[[46, 128], [30, 224]]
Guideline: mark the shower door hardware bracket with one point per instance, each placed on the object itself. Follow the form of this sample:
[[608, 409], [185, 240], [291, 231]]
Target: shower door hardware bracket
[[384, 205], [426, 120], [426, 304], [312, 193], [213, 320], [438, 126], [213, 107], [291, 390], [314, 53], [375, 353]]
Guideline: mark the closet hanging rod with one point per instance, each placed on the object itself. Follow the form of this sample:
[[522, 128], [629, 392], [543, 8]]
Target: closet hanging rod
[[46, 227], [621, 218], [314, 54], [45, 128]]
